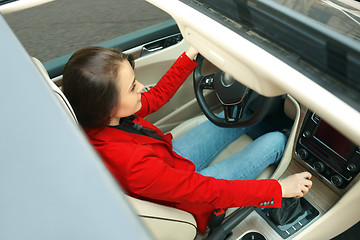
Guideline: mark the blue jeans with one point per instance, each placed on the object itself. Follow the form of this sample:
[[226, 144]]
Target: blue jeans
[[204, 142]]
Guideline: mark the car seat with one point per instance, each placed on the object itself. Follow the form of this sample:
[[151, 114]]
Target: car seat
[[162, 221]]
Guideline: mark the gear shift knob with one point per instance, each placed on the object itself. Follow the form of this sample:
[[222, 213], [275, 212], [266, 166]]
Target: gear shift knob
[[290, 210]]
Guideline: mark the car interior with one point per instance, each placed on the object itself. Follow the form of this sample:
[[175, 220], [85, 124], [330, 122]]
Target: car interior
[[322, 129], [178, 116]]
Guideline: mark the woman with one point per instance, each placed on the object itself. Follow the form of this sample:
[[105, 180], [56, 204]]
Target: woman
[[101, 86]]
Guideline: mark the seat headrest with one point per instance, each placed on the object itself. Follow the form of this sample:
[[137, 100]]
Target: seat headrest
[[60, 95]]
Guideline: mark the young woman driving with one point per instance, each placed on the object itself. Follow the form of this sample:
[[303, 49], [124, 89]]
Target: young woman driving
[[101, 86]]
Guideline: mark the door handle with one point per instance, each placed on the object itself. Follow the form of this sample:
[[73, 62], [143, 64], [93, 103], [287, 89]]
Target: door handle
[[161, 44]]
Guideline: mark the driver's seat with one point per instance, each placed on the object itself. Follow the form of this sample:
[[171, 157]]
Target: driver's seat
[[164, 222]]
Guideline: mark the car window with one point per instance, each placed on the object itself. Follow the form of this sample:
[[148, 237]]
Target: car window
[[57, 28], [5, 1]]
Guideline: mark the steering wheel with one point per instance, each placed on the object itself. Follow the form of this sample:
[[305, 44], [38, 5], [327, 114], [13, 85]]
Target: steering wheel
[[233, 96]]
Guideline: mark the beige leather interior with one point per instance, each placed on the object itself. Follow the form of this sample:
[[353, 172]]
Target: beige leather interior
[[183, 104], [165, 222], [162, 61], [58, 93]]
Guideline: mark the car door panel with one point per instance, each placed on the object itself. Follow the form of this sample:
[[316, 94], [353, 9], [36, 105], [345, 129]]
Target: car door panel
[[150, 68]]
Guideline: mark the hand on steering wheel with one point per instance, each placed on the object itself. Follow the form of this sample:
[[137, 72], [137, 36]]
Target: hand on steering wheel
[[233, 96]]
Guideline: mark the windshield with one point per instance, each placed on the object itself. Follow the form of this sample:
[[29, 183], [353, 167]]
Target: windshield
[[342, 16]]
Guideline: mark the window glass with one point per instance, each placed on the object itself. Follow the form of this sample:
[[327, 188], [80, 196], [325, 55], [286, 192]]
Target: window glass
[[60, 27], [340, 15]]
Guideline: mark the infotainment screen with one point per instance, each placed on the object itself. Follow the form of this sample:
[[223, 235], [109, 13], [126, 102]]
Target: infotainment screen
[[333, 140], [327, 151]]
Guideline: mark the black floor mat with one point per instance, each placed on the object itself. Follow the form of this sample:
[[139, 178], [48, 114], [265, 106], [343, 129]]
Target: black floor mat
[[351, 234]]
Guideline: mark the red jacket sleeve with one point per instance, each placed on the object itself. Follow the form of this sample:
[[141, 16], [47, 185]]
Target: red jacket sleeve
[[151, 177], [167, 86]]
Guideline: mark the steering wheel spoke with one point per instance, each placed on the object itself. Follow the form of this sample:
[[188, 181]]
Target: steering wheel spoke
[[207, 82], [233, 113]]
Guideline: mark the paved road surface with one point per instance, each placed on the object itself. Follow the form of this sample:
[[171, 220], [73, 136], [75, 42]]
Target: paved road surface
[[63, 26]]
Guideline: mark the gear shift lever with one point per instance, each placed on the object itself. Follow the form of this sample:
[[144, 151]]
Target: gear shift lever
[[290, 210]]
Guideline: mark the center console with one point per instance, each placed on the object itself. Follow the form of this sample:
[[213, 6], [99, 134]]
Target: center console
[[334, 161], [327, 151], [286, 230]]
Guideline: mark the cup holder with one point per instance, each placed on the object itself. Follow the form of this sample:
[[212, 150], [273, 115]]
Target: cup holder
[[253, 236]]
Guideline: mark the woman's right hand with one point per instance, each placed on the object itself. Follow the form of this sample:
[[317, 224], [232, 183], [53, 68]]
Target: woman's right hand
[[296, 185], [192, 52]]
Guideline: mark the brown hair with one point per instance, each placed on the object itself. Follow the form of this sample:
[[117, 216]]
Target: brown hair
[[89, 83]]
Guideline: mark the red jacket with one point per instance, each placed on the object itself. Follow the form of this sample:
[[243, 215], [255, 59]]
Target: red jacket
[[148, 168]]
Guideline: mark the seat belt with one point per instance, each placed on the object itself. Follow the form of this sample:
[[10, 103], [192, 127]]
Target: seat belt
[[216, 218]]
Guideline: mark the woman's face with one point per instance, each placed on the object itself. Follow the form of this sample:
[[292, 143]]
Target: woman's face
[[129, 101]]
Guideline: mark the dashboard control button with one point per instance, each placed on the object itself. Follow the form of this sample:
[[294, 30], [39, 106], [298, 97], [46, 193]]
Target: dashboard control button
[[336, 180], [351, 167], [358, 150], [306, 134], [303, 153], [319, 166]]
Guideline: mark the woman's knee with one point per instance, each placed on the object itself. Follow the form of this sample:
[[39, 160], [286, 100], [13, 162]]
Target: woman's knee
[[274, 144], [274, 140]]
